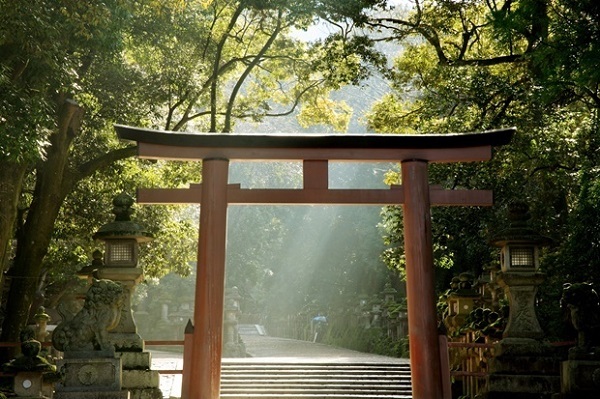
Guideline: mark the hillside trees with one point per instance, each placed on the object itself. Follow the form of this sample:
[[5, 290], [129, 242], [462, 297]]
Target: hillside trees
[[71, 70], [218, 61], [477, 65]]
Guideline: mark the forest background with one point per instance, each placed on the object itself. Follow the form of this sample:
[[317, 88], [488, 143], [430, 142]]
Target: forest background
[[69, 70]]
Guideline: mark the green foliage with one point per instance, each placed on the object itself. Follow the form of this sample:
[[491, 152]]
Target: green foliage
[[371, 340], [47, 48], [210, 63], [69, 71], [476, 65]]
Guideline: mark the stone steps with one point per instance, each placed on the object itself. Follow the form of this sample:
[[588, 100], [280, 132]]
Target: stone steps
[[331, 380]]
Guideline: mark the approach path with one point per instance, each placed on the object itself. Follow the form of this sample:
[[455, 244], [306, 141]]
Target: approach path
[[266, 349]]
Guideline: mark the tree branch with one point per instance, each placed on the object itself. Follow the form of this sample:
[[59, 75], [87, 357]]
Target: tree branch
[[431, 36], [90, 167], [246, 73]]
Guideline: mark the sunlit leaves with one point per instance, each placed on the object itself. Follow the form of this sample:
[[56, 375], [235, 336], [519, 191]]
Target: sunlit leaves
[[475, 65], [326, 112]]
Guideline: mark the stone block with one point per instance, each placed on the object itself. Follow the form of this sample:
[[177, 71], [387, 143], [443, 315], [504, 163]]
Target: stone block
[[135, 360], [28, 384], [581, 377], [140, 379], [92, 395], [525, 364], [511, 385], [127, 342], [146, 393], [518, 395], [521, 347]]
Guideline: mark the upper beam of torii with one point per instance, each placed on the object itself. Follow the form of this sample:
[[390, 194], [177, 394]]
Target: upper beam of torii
[[315, 151], [414, 152]]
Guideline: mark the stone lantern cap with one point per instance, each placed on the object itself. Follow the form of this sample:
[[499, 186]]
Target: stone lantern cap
[[123, 226], [519, 231], [389, 290]]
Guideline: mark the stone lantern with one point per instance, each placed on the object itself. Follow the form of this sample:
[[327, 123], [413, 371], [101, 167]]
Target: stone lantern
[[41, 324], [122, 238], [461, 301], [87, 271], [389, 293], [232, 345], [522, 366], [519, 276]]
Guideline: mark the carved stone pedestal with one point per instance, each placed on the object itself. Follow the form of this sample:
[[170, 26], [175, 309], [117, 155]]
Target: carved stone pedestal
[[90, 375], [522, 367]]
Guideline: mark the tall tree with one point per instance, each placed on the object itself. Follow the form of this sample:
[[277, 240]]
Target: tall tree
[[48, 52], [70, 70], [475, 65]]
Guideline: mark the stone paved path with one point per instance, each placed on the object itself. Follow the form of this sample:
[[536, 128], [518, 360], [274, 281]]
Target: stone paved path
[[261, 348], [265, 349], [170, 384]]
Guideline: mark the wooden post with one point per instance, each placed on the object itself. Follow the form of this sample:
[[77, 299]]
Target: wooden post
[[188, 344], [425, 361], [205, 369]]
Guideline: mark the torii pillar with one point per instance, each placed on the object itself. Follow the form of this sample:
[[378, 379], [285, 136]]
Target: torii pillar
[[414, 152]]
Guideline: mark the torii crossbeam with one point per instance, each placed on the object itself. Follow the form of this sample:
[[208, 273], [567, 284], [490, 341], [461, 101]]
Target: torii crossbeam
[[414, 152]]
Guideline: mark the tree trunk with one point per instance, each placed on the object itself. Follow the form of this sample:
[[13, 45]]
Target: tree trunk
[[11, 179], [54, 181], [52, 186]]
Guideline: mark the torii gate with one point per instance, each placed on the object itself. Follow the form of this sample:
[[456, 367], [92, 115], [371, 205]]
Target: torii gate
[[414, 152]]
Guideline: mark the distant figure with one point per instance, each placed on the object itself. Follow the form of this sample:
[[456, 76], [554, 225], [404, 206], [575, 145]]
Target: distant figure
[[319, 322]]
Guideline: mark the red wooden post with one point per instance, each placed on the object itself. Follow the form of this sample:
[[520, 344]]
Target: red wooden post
[[205, 369], [425, 361]]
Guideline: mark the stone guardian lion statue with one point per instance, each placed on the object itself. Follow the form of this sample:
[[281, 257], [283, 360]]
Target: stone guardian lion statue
[[88, 329], [583, 305]]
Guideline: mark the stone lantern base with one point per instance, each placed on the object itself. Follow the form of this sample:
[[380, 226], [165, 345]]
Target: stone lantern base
[[32, 385], [522, 368]]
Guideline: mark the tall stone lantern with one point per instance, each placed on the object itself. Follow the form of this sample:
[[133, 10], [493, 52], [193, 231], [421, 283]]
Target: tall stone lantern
[[122, 238], [522, 366], [519, 272]]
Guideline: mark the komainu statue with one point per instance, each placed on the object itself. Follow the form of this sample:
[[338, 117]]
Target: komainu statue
[[88, 329], [583, 305]]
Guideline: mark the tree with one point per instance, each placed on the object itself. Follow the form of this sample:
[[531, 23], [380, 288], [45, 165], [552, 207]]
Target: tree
[[476, 65], [45, 63], [214, 62], [70, 71]]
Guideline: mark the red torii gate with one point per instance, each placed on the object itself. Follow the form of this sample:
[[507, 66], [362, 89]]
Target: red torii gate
[[414, 152]]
